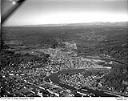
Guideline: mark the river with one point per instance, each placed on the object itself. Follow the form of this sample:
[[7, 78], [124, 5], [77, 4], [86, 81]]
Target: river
[[54, 78]]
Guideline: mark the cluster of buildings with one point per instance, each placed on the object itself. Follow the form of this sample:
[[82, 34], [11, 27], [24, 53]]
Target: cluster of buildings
[[29, 82], [95, 82], [27, 78], [78, 80], [68, 59]]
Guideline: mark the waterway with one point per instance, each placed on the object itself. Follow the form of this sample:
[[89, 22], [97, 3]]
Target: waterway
[[54, 78]]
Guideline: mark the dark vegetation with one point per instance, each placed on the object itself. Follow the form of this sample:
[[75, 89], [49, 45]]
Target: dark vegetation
[[90, 40], [9, 57], [117, 77]]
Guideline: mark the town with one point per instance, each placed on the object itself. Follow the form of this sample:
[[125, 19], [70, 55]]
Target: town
[[24, 72]]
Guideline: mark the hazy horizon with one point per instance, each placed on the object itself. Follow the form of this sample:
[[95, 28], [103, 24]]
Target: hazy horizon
[[43, 12], [64, 24]]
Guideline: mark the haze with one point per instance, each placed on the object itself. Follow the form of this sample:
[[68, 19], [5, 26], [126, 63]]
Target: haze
[[36, 12]]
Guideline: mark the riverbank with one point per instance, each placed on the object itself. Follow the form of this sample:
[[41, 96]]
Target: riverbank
[[54, 78]]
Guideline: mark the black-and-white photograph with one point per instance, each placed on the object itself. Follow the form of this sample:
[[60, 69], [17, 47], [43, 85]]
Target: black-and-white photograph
[[64, 48]]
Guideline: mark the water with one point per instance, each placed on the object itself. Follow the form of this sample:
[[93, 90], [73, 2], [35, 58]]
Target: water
[[54, 78]]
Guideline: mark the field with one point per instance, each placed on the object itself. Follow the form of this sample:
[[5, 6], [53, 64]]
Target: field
[[90, 39]]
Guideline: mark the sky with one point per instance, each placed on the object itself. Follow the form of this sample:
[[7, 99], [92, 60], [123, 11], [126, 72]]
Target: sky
[[36, 12]]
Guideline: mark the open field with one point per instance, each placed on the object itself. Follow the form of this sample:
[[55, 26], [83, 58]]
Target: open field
[[90, 39]]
